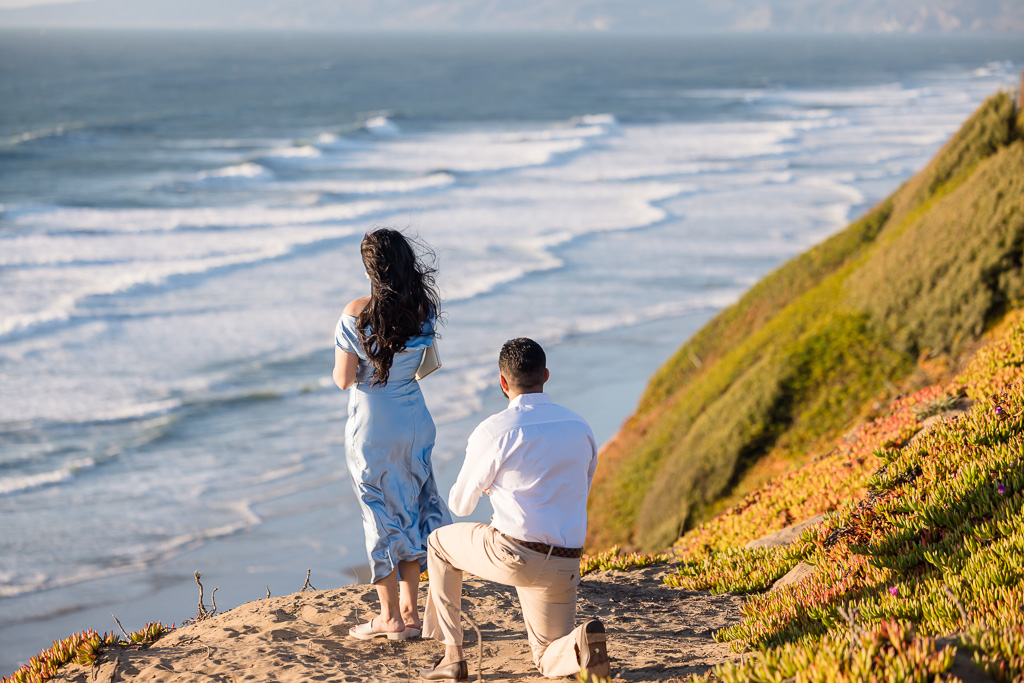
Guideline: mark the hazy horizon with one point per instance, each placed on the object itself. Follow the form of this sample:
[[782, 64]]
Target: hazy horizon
[[568, 16]]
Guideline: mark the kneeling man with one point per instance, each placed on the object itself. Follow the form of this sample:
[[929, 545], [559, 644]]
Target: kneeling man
[[536, 460]]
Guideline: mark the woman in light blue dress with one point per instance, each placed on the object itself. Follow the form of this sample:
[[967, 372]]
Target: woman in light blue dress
[[379, 342]]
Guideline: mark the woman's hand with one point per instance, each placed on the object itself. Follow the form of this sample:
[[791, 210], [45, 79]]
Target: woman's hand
[[345, 367]]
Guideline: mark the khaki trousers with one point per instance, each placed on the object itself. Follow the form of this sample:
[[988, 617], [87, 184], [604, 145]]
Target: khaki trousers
[[546, 588]]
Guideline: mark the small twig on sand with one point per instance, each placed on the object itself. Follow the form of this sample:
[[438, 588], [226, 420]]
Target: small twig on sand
[[202, 607], [204, 613], [480, 644], [126, 636], [306, 586]]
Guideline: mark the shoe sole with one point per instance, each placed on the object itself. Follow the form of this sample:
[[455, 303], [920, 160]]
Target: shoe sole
[[399, 635], [597, 662]]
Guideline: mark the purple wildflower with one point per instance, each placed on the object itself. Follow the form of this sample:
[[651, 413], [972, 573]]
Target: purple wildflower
[[894, 591], [1001, 489], [999, 411]]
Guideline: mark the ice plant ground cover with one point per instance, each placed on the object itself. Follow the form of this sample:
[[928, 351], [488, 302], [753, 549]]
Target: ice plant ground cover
[[82, 648], [924, 539]]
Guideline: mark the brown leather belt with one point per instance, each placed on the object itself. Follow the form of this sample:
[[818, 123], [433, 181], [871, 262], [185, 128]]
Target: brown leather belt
[[549, 550]]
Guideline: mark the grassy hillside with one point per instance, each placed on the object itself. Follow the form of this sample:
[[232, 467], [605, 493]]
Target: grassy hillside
[[792, 364], [920, 569]]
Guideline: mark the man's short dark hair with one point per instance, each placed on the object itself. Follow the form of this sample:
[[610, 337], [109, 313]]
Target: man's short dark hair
[[522, 362]]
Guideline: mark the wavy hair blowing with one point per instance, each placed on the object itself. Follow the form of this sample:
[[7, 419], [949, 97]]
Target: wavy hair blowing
[[403, 296]]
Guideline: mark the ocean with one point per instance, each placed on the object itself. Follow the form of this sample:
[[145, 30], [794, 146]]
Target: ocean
[[180, 216]]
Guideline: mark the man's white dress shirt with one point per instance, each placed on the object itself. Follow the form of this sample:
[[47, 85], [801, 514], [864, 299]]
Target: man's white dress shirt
[[538, 460]]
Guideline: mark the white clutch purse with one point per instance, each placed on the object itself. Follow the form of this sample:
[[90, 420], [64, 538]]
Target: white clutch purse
[[429, 362]]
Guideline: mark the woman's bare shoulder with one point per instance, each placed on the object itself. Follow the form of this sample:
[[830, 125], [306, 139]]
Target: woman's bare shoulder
[[356, 306]]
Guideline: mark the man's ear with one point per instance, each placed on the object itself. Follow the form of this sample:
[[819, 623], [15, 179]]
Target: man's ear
[[547, 375], [503, 382]]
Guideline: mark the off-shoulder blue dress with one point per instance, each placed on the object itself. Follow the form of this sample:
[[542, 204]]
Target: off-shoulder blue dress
[[389, 437]]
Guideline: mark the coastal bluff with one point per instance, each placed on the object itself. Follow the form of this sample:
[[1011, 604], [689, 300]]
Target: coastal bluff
[[892, 303]]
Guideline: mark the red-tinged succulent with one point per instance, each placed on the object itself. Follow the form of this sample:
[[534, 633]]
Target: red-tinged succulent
[[81, 648], [928, 533], [614, 559]]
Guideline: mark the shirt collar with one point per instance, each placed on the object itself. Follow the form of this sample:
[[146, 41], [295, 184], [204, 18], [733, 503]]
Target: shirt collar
[[529, 400]]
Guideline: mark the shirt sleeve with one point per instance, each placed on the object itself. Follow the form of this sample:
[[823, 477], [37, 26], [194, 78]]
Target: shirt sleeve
[[478, 472], [346, 337]]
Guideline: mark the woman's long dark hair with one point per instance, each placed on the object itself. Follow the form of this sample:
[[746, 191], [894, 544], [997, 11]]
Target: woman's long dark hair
[[403, 296]]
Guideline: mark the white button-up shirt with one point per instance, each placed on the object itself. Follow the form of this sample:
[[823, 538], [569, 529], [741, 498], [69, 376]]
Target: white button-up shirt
[[537, 459]]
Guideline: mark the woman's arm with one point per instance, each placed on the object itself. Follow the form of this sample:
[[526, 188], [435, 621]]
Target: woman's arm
[[345, 367], [347, 364]]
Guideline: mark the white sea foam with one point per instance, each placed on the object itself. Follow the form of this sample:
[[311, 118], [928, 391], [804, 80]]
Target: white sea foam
[[381, 125], [596, 120], [491, 275], [157, 220], [137, 411], [159, 273], [477, 151], [850, 194], [576, 132], [9, 485], [428, 182], [280, 473], [295, 152], [244, 171], [20, 483], [596, 324], [40, 133], [474, 152], [333, 142], [743, 94]]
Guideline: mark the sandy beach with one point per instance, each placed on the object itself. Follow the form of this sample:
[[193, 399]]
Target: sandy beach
[[655, 633]]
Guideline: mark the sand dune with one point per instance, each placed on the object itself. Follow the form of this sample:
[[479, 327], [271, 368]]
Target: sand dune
[[655, 633]]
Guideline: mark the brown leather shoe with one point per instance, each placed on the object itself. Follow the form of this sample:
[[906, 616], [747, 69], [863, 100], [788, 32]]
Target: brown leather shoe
[[594, 652], [458, 671]]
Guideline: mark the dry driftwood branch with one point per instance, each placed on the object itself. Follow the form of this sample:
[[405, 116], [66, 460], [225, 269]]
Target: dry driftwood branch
[[126, 636], [202, 607], [202, 614], [480, 644], [306, 586]]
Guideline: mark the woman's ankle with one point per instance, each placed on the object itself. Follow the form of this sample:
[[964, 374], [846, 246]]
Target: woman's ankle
[[382, 625]]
